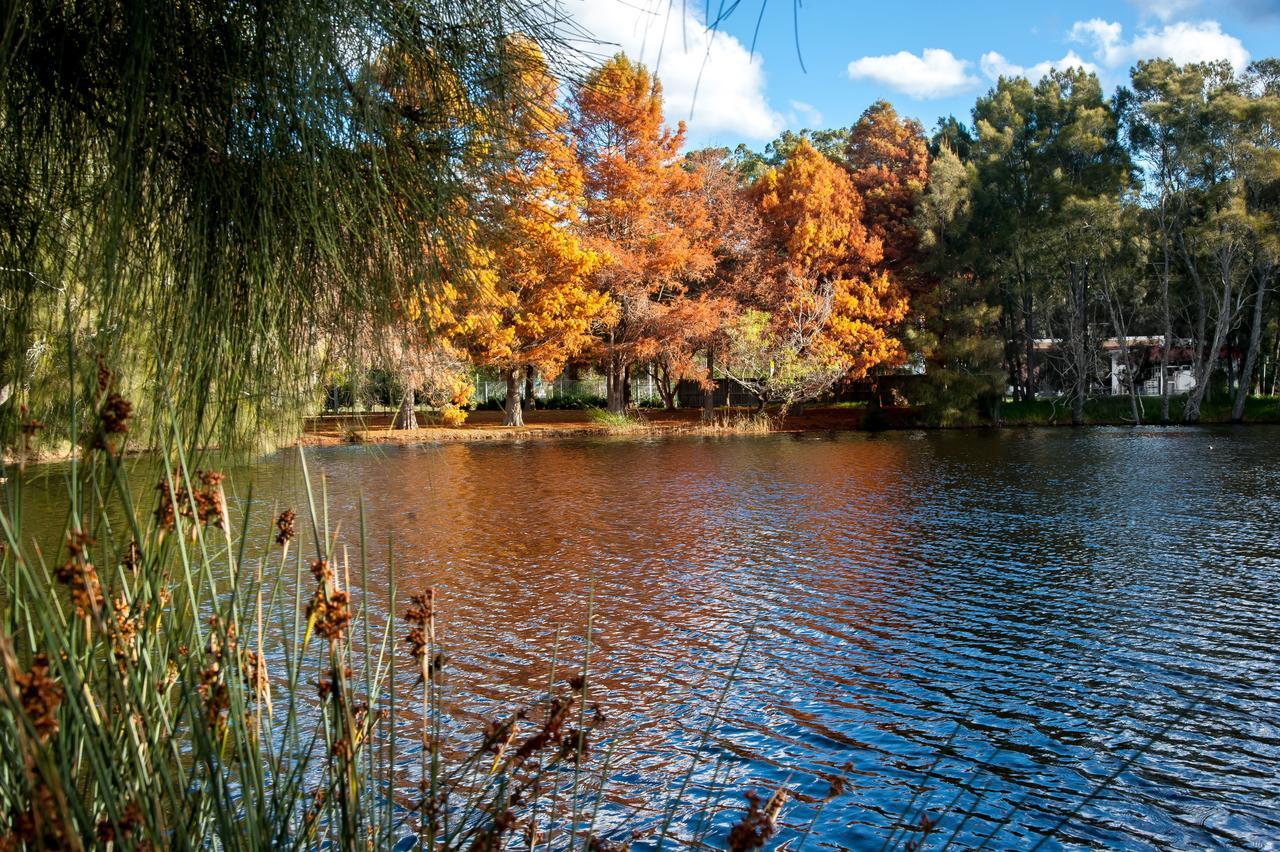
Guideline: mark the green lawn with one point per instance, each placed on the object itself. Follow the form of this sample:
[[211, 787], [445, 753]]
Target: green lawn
[[1116, 410]]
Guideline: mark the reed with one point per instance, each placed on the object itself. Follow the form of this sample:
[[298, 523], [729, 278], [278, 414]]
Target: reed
[[619, 424]]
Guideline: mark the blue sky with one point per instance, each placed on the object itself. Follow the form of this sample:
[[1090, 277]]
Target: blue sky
[[927, 58]]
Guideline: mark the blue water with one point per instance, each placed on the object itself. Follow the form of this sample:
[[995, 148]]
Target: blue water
[[1042, 636], [981, 628]]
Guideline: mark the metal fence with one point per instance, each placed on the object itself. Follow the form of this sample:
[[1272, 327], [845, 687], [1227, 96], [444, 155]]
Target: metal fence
[[643, 389]]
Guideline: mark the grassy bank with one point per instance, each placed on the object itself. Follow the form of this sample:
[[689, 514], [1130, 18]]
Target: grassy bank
[[558, 424], [1116, 411], [375, 428]]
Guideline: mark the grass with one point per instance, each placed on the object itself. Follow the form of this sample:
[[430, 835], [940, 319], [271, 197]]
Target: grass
[[1115, 410], [618, 424], [730, 422]]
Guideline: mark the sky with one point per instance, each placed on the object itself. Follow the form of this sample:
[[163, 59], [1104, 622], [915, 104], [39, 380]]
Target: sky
[[929, 59]]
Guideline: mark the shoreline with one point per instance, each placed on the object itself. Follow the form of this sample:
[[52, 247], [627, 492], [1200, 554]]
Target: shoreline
[[374, 428], [485, 426], [562, 424]]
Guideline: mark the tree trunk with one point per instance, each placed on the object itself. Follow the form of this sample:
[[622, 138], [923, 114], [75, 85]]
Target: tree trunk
[[1079, 345], [407, 416], [667, 384], [709, 391], [1009, 332], [1131, 379], [1029, 328], [1251, 354], [1206, 362], [1275, 368], [616, 385], [529, 403], [514, 411], [1205, 359], [1121, 327], [1168, 343]]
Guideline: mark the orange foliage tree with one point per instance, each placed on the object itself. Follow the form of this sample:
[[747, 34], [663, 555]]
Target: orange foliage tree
[[826, 311], [643, 210], [888, 159], [720, 297], [541, 307]]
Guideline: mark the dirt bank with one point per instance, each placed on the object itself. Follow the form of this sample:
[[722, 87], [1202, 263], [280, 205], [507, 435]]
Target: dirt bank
[[375, 428]]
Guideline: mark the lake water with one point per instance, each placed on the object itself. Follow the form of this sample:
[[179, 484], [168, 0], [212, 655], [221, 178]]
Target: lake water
[[984, 625]]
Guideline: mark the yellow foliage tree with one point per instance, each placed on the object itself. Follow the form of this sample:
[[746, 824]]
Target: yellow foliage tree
[[539, 307], [441, 264]]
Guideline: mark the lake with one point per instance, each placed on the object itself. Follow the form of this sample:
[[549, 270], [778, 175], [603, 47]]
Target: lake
[[1004, 630]]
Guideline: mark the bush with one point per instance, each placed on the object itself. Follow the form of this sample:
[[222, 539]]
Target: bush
[[452, 415], [618, 423], [573, 402]]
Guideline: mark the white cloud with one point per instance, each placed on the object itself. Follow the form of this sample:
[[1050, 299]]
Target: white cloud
[[804, 114], [1182, 42], [1165, 10], [935, 73], [709, 78], [995, 66]]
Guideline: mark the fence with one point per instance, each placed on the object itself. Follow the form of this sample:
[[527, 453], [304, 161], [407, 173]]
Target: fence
[[642, 389]]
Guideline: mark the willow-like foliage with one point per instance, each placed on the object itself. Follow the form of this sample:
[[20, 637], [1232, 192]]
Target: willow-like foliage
[[202, 193]]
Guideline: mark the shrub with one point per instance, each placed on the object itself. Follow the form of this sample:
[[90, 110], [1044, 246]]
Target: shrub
[[618, 424], [574, 402], [452, 415]]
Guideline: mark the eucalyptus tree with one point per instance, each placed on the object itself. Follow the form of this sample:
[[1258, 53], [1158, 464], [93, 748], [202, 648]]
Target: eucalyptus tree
[[1215, 240], [1086, 171], [1190, 127], [1157, 128], [1044, 154], [201, 193], [1260, 174]]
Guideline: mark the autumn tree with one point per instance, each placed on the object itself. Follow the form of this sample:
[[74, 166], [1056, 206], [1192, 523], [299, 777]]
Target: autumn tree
[[888, 160], [739, 255], [696, 320], [643, 210], [825, 312], [441, 266], [541, 307]]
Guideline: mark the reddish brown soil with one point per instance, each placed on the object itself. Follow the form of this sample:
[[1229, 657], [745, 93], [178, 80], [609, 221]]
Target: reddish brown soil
[[487, 425]]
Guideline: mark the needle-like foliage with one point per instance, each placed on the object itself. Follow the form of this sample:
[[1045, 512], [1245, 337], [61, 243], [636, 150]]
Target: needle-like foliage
[[202, 193]]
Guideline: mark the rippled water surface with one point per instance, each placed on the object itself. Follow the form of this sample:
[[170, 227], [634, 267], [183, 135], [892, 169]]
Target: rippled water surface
[[986, 625]]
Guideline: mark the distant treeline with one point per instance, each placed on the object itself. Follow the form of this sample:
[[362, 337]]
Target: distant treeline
[[232, 239], [1075, 243]]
